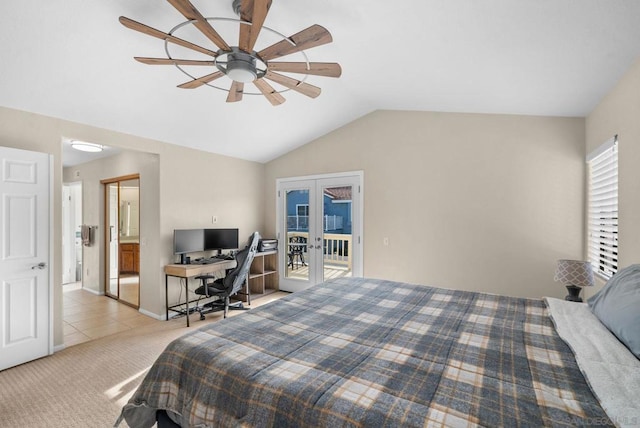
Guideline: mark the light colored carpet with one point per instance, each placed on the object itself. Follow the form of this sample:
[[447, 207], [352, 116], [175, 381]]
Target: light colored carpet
[[86, 385]]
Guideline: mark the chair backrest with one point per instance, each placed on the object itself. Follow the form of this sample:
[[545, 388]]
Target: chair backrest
[[294, 244], [234, 279]]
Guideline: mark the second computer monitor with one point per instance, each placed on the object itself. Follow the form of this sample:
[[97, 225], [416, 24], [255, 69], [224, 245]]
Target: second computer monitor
[[220, 239]]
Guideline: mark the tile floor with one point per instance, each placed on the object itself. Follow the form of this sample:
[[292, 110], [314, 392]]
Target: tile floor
[[88, 316]]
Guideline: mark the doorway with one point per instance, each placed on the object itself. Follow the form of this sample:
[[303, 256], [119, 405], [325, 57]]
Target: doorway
[[122, 239], [71, 240], [319, 229]]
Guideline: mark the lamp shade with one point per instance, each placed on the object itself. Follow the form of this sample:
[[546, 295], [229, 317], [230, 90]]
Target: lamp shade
[[574, 272]]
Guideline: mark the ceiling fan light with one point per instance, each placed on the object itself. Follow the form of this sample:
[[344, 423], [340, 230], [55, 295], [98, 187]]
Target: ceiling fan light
[[83, 146], [241, 71], [240, 75]]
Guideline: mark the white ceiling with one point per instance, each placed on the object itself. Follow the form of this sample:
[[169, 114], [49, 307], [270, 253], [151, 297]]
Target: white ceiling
[[72, 59]]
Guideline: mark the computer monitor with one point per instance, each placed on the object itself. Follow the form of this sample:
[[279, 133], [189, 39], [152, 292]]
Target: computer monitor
[[220, 239], [187, 241]]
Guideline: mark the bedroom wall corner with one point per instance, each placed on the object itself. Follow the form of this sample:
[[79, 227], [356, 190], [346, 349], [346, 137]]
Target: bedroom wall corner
[[618, 113]]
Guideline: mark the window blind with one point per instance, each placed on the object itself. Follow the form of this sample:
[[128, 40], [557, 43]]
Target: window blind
[[603, 208]]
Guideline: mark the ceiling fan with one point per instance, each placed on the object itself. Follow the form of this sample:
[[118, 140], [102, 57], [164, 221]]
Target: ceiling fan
[[241, 63]]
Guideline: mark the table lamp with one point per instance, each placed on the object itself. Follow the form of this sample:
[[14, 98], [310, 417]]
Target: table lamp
[[574, 274]]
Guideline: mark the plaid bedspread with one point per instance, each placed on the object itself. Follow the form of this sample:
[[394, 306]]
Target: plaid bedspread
[[362, 352]]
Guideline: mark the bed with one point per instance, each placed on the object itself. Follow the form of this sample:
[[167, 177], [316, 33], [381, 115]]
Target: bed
[[356, 352]]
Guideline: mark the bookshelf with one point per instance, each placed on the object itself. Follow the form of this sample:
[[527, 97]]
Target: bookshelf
[[263, 275]]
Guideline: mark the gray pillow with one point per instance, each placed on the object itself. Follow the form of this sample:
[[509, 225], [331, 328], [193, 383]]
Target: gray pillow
[[617, 306]]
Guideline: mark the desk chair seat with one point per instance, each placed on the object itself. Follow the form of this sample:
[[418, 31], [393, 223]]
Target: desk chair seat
[[231, 284]]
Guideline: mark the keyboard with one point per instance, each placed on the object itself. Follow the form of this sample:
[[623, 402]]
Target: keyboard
[[210, 260]]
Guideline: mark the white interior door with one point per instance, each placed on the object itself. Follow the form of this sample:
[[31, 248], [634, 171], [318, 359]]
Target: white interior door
[[25, 212], [319, 229]]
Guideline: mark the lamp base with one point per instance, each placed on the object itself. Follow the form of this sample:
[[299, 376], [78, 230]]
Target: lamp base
[[574, 293]]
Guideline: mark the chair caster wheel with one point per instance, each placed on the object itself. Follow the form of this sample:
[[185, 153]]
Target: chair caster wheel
[[202, 317]]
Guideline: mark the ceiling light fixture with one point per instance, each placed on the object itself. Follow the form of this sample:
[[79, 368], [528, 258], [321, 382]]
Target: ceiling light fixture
[[239, 66], [83, 146]]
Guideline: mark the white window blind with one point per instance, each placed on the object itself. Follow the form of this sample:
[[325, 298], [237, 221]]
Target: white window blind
[[603, 208]]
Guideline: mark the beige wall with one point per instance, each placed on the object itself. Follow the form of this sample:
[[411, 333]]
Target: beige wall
[[192, 186], [619, 113], [468, 201]]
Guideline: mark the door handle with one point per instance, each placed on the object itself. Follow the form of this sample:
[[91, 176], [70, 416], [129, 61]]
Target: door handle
[[40, 265]]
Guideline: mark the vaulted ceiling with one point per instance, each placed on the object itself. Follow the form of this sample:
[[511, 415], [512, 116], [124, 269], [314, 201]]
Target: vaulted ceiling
[[73, 60]]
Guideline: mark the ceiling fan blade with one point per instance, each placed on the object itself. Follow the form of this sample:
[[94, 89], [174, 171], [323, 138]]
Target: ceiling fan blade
[[267, 90], [246, 9], [171, 61], [316, 35], [254, 11], [190, 12], [134, 25], [196, 83], [327, 69], [260, 10], [296, 85], [235, 93]]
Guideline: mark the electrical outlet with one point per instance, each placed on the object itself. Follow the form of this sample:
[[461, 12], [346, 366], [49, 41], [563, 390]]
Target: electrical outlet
[[385, 241], [214, 219]]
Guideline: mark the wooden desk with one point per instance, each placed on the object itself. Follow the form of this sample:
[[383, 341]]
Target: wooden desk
[[189, 271]]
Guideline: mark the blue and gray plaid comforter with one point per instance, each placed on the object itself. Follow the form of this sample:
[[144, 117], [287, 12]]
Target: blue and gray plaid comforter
[[362, 352]]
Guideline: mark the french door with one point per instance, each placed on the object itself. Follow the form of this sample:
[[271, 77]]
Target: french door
[[319, 229]]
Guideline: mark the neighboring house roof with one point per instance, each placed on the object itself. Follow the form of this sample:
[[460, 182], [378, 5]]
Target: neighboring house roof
[[339, 193]]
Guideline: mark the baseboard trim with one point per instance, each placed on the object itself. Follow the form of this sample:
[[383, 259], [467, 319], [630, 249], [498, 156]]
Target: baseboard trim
[[97, 293], [58, 348], [152, 315]]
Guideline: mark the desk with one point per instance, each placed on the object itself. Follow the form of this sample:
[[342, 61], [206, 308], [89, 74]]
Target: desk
[[189, 271]]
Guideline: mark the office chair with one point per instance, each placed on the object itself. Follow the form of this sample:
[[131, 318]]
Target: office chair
[[229, 285]]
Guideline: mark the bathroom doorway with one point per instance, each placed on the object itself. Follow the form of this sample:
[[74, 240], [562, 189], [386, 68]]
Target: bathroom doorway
[[122, 239], [71, 240]]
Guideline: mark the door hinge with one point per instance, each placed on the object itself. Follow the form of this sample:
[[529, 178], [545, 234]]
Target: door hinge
[[278, 193]]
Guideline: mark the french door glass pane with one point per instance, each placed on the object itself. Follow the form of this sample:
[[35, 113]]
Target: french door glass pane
[[297, 227], [337, 234]]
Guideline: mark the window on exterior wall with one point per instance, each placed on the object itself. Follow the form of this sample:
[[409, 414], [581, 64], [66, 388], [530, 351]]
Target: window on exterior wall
[[603, 208], [302, 210]]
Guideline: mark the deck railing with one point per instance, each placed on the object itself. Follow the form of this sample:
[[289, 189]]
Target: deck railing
[[301, 222], [336, 248]]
